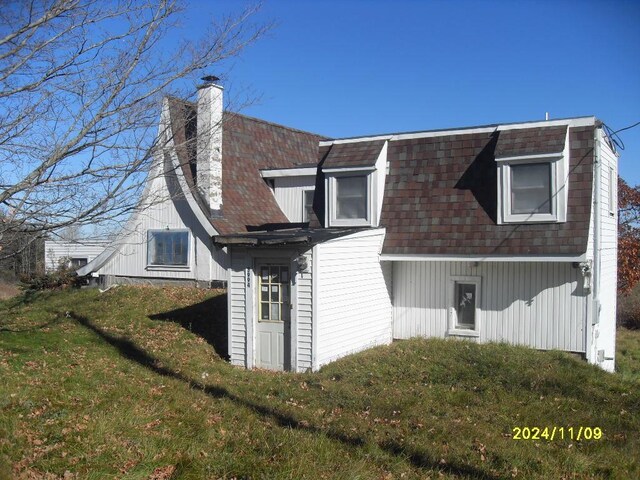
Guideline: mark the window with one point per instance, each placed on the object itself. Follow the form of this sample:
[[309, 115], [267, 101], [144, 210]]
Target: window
[[168, 248], [274, 293], [350, 200], [532, 189], [77, 263], [307, 204], [464, 308]]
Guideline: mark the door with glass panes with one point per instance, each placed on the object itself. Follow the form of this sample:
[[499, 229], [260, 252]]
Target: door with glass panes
[[274, 314]]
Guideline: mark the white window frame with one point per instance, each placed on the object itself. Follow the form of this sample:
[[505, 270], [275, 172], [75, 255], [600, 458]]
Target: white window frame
[[453, 328], [558, 186], [153, 266], [304, 211], [333, 221]]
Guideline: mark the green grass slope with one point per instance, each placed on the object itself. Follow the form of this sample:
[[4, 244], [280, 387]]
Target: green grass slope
[[132, 384]]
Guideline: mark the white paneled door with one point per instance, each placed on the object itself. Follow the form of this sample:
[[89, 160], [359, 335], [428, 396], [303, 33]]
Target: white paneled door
[[274, 314]]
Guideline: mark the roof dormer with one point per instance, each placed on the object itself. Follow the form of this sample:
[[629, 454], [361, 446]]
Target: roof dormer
[[533, 175], [354, 182]]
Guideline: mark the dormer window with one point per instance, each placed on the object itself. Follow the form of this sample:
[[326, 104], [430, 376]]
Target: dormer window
[[533, 188], [350, 199]]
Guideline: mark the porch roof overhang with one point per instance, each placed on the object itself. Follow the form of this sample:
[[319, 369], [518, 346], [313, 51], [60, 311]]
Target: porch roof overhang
[[283, 237]]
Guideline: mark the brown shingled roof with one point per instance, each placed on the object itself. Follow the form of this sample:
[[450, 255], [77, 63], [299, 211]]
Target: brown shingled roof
[[248, 146], [531, 141], [441, 195], [358, 154]]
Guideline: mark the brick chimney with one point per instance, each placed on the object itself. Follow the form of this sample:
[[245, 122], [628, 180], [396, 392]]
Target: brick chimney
[[209, 144]]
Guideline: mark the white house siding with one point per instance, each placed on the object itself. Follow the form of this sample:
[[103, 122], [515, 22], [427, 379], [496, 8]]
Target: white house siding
[[304, 315], [535, 303], [353, 307], [241, 305], [604, 333], [55, 250], [237, 307], [288, 193], [205, 262]]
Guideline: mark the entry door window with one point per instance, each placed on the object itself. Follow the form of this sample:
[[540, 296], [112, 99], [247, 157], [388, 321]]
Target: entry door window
[[274, 293]]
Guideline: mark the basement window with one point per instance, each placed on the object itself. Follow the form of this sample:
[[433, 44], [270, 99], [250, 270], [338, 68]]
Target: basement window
[[464, 306], [167, 248]]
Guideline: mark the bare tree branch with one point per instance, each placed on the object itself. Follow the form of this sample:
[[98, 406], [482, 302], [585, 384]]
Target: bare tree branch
[[81, 84]]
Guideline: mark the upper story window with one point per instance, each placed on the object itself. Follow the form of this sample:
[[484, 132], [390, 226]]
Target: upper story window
[[307, 205], [350, 199], [532, 189], [168, 248]]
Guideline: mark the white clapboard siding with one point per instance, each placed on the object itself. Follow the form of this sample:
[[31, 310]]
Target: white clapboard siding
[[205, 262], [530, 303], [242, 300], [353, 304], [304, 315], [56, 250], [237, 307], [289, 194], [608, 250]]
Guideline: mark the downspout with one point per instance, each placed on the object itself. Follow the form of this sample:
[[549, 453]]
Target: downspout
[[315, 278], [597, 220]]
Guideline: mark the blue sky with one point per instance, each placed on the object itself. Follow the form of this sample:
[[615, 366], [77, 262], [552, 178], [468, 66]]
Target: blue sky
[[354, 67]]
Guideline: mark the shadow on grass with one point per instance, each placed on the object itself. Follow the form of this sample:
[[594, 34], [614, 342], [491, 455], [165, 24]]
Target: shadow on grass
[[206, 319], [418, 459]]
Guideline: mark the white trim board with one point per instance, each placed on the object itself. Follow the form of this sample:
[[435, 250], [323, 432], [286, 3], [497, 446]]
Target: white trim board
[[487, 258], [570, 122], [289, 172]]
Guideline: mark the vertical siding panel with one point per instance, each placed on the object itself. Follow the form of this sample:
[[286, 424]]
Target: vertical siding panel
[[354, 307], [288, 194], [536, 304]]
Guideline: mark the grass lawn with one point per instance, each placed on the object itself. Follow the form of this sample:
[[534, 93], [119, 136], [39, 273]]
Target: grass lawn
[[132, 384]]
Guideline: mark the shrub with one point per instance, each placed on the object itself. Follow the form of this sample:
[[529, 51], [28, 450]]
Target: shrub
[[63, 277], [629, 309]]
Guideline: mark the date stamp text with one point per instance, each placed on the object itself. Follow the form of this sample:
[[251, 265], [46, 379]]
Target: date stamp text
[[557, 433]]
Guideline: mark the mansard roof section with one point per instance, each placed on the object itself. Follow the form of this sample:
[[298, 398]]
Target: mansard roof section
[[531, 141], [250, 145], [350, 155], [441, 194]]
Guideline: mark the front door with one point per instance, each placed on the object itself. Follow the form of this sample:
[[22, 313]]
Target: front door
[[274, 314]]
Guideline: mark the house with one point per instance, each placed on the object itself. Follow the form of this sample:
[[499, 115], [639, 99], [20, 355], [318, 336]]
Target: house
[[72, 254], [498, 233]]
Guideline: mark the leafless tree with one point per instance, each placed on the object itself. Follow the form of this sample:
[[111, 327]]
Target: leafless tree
[[81, 83]]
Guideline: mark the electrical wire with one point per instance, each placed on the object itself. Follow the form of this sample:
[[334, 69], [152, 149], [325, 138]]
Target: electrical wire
[[614, 137]]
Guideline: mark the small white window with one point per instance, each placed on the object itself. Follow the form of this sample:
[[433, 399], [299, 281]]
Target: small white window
[[168, 248], [350, 200], [307, 205], [464, 306]]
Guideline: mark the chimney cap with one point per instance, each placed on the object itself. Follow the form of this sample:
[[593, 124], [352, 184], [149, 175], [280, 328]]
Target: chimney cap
[[210, 78]]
